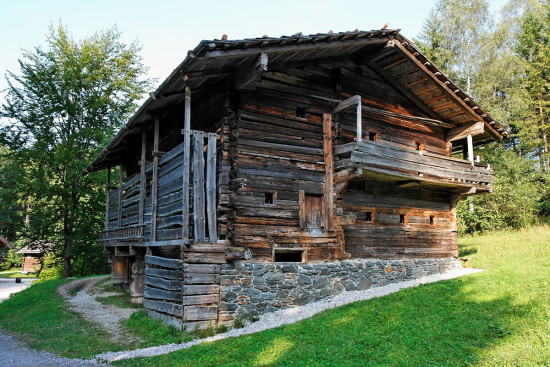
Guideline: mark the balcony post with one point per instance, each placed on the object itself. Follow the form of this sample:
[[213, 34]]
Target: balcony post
[[359, 120], [470, 143], [186, 166], [108, 201], [142, 177], [120, 191], [154, 188]]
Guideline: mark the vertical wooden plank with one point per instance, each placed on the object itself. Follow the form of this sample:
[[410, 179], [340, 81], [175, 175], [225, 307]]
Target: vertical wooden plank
[[108, 201], [154, 188], [329, 172], [211, 187], [470, 142], [359, 120], [142, 178], [198, 186], [185, 202], [120, 189], [186, 163], [303, 209]]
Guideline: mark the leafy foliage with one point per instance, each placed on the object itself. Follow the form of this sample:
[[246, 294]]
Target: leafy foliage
[[505, 64], [66, 103], [11, 260]]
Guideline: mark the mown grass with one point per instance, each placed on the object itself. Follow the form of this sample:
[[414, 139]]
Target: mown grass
[[15, 273], [498, 317], [39, 316]]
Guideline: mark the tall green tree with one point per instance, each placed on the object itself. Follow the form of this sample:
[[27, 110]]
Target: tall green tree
[[452, 36], [533, 49], [65, 104]]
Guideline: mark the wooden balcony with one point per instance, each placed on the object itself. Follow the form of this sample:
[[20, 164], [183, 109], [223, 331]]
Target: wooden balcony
[[411, 167], [172, 201]]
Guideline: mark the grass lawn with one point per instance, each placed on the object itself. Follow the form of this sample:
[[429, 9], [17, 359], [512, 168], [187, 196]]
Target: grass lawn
[[498, 317], [15, 273], [40, 317]]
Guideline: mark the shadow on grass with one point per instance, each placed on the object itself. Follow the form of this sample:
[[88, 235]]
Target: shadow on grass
[[436, 324], [465, 250]]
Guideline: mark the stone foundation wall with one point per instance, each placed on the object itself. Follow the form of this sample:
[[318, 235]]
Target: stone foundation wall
[[256, 288]]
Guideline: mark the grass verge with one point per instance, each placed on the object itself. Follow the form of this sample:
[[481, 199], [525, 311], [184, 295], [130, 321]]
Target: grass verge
[[498, 317], [15, 273], [39, 316]]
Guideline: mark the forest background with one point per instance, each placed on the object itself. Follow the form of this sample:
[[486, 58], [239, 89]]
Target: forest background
[[69, 99]]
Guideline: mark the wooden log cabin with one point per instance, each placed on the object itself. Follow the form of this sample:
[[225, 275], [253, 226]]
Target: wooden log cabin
[[262, 165]]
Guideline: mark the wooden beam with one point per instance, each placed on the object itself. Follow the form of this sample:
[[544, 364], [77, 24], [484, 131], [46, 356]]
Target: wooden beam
[[348, 103], [248, 75], [154, 188], [441, 84], [142, 177], [120, 192], [328, 188], [403, 90], [198, 186], [211, 187], [470, 142], [108, 201], [186, 166], [459, 133], [220, 54]]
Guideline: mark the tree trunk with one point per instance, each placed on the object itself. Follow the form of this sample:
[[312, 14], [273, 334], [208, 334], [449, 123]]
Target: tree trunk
[[67, 244]]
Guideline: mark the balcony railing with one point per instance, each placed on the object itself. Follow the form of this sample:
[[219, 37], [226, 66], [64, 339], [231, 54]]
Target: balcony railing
[[408, 164]]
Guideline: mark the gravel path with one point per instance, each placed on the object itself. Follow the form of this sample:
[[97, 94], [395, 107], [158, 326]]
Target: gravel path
[[107, 316], [8, 286], [287, 316], [15, 354]]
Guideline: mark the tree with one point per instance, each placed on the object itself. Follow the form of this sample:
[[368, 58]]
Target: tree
[[66, 103], [452, 35]]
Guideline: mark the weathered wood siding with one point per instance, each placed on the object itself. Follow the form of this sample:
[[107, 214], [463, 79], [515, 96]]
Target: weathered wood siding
[[279, 149], [384, 236]]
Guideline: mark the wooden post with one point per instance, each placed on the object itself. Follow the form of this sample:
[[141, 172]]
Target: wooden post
[[303, 213], [359, 120], [186, 163], [329, 171], [120, 191], [142, 178], [211, 187], [198, 186], [154, 188], [470, 148], [108, 201]]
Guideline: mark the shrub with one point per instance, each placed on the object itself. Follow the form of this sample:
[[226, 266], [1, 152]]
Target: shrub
[[51, 268], [11, 260]]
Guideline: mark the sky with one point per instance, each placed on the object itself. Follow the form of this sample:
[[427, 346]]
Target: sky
[[167, 29]]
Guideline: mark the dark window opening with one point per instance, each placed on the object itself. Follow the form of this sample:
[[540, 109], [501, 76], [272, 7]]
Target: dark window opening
[[432, 220], [301, 112], [373, 136], [402, 218], [419, 146], [289, 256], [368, 216], [269, 198]]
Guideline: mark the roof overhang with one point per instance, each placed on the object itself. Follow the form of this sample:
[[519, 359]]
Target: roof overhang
[[212, 61]]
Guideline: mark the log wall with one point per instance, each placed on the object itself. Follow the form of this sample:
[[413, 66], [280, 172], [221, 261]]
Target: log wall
[[278, 151]]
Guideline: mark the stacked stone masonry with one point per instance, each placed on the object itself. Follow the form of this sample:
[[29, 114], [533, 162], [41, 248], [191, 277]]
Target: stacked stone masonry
[[251, 289]]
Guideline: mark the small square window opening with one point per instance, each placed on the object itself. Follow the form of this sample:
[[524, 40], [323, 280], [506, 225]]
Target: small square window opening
[[301, 112], [368, 217], [419, 146], [269, 198], [402, 218], [432, 220], [373, 136]]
